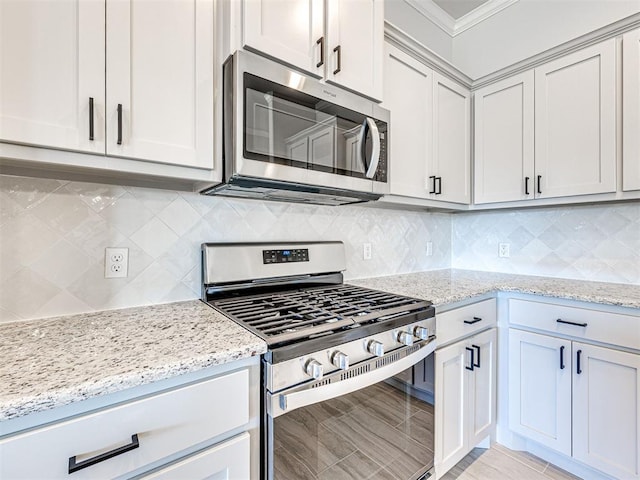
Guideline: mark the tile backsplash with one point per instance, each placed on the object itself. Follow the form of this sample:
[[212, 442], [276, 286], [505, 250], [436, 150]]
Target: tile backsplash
[[53, 235], [600, 242]]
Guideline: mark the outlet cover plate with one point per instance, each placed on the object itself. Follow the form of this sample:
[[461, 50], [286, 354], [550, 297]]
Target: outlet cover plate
[[116, 262]]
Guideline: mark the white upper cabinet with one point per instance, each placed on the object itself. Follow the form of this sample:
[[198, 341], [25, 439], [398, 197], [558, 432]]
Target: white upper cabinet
[[408, 95], [631, 111], [160, 88], [339, 40], [52, 73], [575, 124], [504, 150], [450, 170], [290, 30]]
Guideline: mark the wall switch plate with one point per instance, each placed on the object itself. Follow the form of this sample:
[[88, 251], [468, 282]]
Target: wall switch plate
[[366, 251], [503, 250], [429, 250], [116, 262]]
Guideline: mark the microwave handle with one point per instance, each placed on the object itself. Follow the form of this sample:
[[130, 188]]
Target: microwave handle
[[375, 151], [297, 397]]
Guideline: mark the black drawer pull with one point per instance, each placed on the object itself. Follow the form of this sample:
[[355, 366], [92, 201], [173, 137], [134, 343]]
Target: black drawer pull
[[578, 357], [540, 184], [439, 179], [321, 43], [567, 322], [475, 320], [338, 51], [562, 357], [478, 355], [526, 185], [473, 362], [119, 142], [91, 118], [74, 467]]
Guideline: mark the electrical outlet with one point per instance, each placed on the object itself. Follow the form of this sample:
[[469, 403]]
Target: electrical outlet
[[116, 262], [503, 250], [366, 251], [429, 251]]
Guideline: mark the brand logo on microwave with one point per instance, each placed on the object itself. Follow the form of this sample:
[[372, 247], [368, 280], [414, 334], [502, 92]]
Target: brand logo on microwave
[[330, 93]]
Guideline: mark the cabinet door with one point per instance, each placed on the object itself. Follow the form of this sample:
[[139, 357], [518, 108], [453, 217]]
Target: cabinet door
[[51, 65], [482, 388], [540, 389], [606, 413], [226, 461], [289, 30], [160, 67], [451, 140], [408, 96], [576, 123], [631, 111], [355, 42], [451, 405], [503, 141]]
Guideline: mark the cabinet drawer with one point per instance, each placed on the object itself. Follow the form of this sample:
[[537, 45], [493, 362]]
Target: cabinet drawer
[[612, 328], [466, 320], [164, 424]]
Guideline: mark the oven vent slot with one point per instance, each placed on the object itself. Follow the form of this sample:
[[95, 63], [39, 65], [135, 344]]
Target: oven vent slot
[[355, 372], [320, 383], [388, 359]]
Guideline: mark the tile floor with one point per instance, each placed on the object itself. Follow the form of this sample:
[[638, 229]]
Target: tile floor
[[500, 463]]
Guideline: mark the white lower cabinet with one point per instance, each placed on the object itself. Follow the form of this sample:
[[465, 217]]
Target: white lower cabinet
[[226, 461], [579, 399], [465, 397], [144, 434]]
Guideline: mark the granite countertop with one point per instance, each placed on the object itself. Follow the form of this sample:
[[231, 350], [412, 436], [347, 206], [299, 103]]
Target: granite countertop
[[53, 362], [449, 286]]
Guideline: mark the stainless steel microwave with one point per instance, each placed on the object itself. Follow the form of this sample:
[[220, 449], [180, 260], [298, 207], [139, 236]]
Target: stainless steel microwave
[[290, 137]]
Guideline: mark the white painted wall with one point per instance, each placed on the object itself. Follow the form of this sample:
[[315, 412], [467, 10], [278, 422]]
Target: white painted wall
[[530, 27], [407, 18]]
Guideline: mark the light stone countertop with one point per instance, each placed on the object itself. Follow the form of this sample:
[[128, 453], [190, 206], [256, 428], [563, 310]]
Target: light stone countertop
[[53, 362], [443, 287]]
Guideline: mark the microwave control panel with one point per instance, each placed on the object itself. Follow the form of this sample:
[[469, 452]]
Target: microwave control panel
[[285, 256]]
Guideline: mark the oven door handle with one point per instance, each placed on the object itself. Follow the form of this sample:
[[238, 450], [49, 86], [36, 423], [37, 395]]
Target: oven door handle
[[297, 397]]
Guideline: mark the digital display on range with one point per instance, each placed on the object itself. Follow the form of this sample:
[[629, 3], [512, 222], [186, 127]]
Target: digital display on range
[[285, 256]]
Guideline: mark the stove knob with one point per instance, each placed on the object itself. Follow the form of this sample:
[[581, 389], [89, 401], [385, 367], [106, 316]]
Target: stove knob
[[405, 338], [375, 348], [340, 360], [421, 332], [313, 368]]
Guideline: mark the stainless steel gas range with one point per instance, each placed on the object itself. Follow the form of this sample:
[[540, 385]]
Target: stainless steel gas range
[[334, 400]]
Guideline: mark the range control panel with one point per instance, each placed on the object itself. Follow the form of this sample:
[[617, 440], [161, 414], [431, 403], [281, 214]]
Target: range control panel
[[285, 256]]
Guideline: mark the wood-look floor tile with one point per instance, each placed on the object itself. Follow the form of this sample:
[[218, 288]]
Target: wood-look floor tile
[[458, 470], [355, 466], [420, 428], [558, 474], [288, 467], [523, 457]]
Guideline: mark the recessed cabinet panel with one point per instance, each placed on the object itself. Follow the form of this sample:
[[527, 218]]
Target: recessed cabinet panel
[[504, 155], [575, 136], [540, 389], [288, 30], [451, 141], [606, 413], [160, 72], [482, 391], [51, 65], [408, 96], [631, 111]]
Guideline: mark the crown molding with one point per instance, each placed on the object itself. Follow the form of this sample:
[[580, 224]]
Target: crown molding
[[442, 19]]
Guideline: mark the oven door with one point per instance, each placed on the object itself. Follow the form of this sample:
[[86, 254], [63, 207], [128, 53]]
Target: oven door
[[365, 422]]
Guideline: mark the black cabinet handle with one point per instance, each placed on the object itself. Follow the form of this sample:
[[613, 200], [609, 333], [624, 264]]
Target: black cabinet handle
[[567, 322], [439, 179], [74, 467], [320, 42], [119, 124], [91, 118], [475, 320], [578, 357], [472, 363], [526, 185], [539, 183], [562, 357], [478, 355], [432, 177], [338, 51]]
